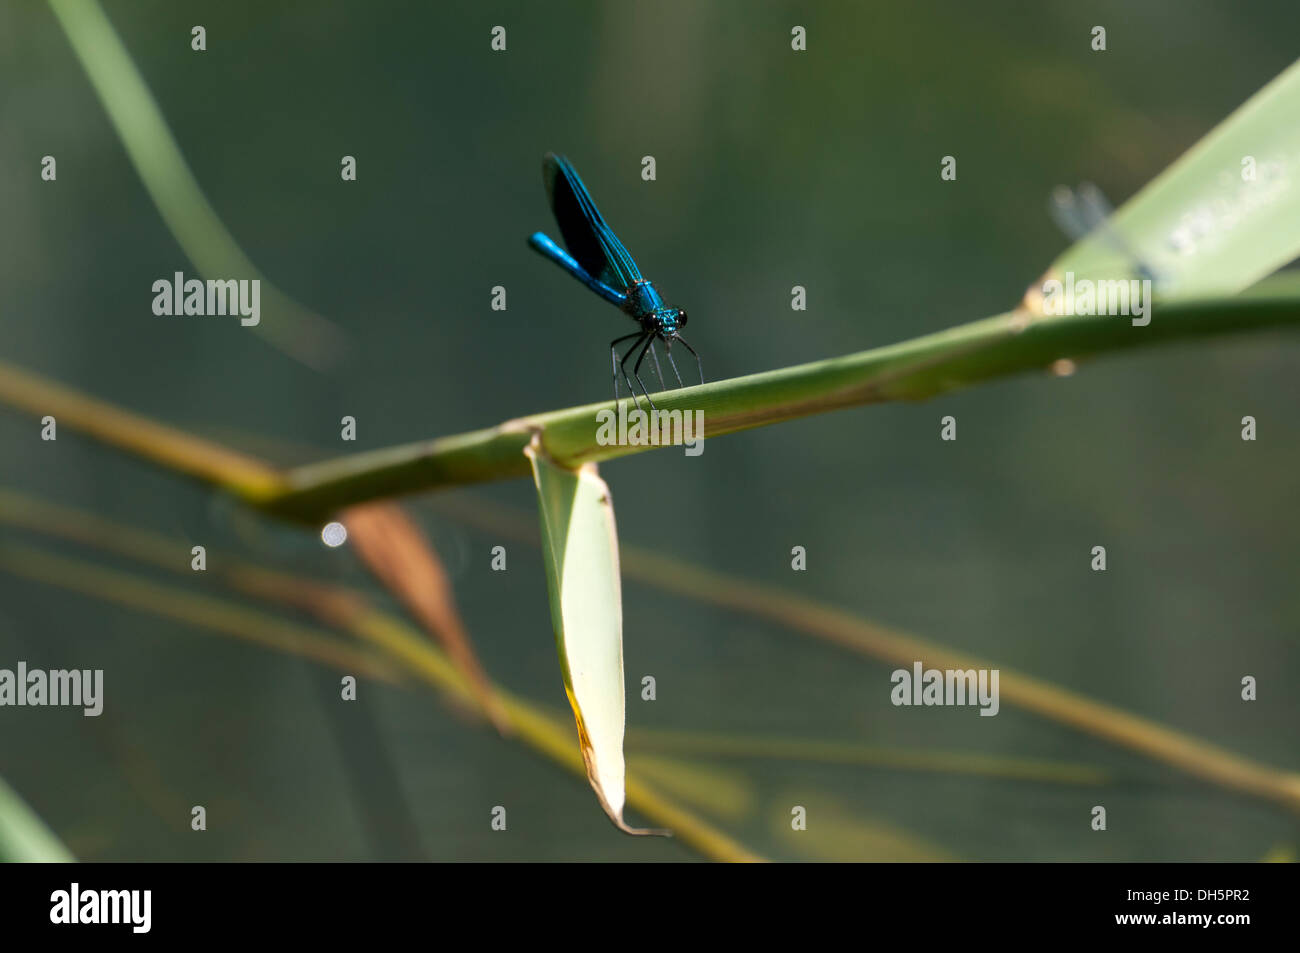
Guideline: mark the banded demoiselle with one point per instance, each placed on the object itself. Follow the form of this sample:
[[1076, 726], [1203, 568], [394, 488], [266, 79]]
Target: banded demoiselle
[[598, 259]]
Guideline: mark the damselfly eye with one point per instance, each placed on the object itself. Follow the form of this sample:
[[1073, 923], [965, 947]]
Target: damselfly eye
[[681, 317]]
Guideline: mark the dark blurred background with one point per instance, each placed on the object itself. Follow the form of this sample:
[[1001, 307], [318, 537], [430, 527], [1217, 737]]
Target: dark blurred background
[[774, 168]]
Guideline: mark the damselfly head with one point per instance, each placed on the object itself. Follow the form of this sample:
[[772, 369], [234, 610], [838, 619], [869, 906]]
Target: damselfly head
[[669, 321]]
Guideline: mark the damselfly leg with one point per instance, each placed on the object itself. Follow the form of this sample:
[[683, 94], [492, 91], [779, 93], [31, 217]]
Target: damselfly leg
[[641, 338], [668, 348], [658, 372], [613, 357], [636, 371], [698, 363]]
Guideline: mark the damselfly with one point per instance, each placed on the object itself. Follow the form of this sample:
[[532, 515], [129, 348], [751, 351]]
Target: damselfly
[[1079, 212], [598, 259]]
